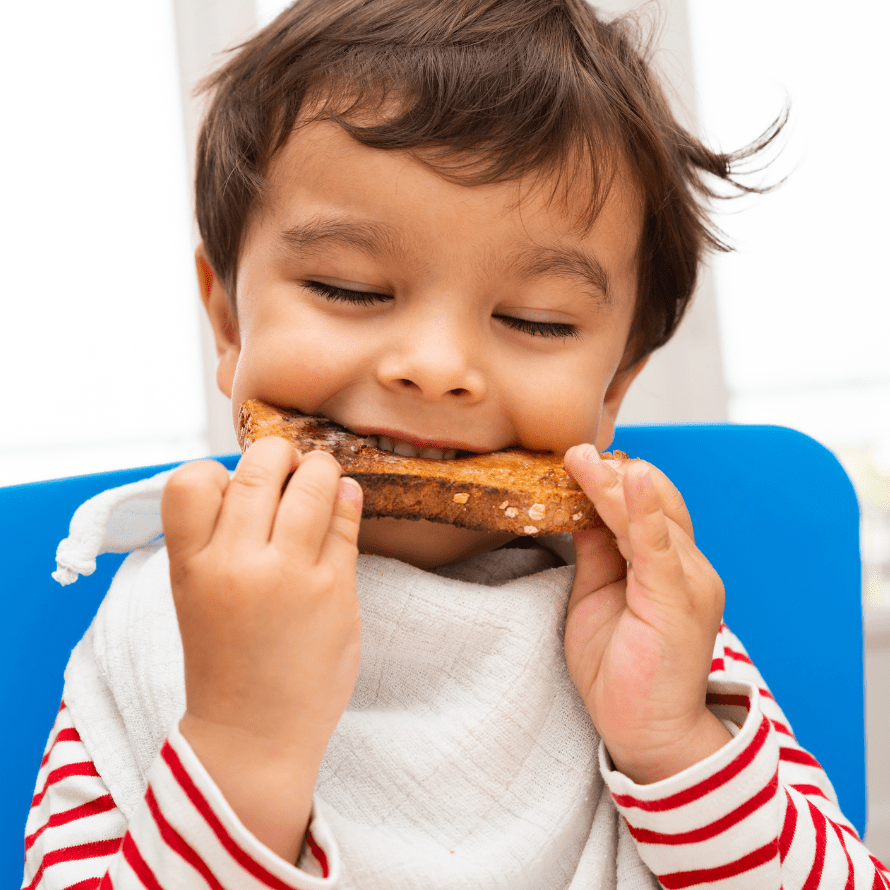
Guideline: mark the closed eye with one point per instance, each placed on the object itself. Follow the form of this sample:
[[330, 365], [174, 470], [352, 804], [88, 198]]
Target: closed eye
[[540, 328], [336, 294], [344, 295]]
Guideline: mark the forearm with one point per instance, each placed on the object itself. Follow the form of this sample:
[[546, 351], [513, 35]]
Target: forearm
[[182, 831], [263, 578], [752, 816]]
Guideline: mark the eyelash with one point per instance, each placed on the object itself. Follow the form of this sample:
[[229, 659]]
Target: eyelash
[[540, 328], [367, 298], [343, 295]]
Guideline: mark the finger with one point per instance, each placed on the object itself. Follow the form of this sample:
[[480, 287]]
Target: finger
[[598, 561], [190, 506], [254, 492], [656, 561], [671, 500], [307, 504], [603, 485], [340, 547]]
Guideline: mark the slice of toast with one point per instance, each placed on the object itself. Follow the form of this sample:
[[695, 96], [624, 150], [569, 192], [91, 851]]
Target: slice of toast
[[521, 492]]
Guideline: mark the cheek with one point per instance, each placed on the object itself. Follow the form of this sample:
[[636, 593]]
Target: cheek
[[294, 359], [558, 410]]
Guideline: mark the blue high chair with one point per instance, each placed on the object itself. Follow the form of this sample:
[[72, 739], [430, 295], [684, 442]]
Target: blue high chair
[[773, 511]]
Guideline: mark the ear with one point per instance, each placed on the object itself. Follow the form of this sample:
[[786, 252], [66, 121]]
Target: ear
[[614, 397], [223, 319]]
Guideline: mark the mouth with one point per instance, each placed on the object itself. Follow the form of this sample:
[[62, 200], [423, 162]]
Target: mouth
[[316, 431], [406, 444], [411, 449]]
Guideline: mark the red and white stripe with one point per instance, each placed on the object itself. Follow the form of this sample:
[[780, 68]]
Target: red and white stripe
[[184, 835], [73, 828], [758, 813]]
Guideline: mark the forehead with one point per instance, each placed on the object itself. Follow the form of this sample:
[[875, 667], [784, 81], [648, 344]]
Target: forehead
[[322, 168]]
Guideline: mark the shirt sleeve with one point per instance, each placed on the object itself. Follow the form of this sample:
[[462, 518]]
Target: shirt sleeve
[[759, 813], [183, 834]]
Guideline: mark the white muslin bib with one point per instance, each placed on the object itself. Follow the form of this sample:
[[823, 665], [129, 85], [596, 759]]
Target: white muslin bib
[[465, 759]]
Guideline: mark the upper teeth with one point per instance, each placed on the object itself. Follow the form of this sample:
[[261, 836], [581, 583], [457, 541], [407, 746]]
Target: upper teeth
[[406, 449]]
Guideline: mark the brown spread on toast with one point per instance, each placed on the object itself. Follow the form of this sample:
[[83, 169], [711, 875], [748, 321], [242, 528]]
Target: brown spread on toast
[[521, 492]]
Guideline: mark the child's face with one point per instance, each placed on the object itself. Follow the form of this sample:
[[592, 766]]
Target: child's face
[[373, 292]]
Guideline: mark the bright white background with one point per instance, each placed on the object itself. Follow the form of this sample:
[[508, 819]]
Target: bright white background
[[805, 301], [99, 367]]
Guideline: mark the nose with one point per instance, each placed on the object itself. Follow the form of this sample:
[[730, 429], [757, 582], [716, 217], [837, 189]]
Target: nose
[[435, 358]]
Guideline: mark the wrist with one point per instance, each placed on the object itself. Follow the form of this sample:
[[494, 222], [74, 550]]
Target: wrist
[[645, 766], [268, 784], [223, 742]]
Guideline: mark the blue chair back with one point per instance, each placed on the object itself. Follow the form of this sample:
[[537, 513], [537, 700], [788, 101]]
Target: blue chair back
[[773, 511]]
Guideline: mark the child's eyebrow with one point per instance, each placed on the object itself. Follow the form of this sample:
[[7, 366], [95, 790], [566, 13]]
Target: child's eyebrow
[[371, 238], [375, 238], [565, 261]]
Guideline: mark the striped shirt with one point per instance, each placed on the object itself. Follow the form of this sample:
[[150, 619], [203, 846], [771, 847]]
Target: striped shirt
[[760, 813]]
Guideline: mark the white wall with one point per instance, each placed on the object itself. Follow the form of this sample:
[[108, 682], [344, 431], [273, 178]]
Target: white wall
[[98, 316], [204, 30]]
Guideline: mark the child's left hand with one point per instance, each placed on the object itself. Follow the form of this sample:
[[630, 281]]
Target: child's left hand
[[642, 621]]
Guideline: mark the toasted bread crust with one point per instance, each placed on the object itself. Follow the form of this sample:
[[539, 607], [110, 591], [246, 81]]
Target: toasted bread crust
[[520, 492]]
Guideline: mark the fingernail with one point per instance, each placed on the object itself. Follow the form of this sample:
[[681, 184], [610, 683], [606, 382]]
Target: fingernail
[[590, 454], [349, 490]]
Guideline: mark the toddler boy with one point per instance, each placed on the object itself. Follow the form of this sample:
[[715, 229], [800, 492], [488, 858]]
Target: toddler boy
[[458, 227]]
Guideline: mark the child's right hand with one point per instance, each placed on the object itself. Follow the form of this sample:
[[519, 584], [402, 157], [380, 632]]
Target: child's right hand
[[264, 587]]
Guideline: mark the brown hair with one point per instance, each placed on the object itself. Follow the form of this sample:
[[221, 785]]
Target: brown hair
[[483, 91]]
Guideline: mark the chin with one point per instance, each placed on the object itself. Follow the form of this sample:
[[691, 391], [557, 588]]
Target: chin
[[423, 544]]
